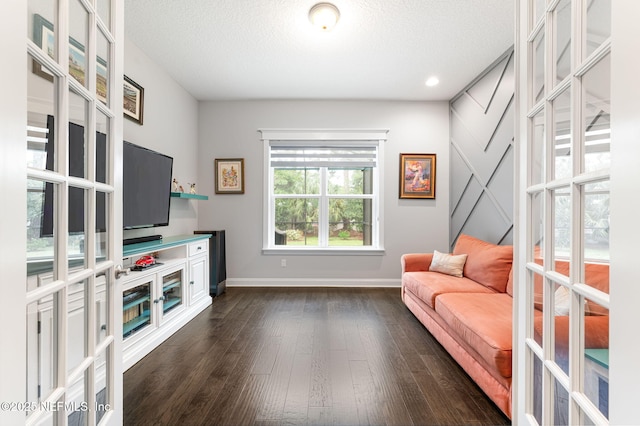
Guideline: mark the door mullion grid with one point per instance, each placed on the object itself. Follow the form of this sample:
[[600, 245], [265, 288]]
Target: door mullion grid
[[548, 382], [576, 311]]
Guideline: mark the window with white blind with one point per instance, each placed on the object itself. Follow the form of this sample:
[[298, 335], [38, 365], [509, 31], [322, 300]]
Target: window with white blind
[[323, 194]]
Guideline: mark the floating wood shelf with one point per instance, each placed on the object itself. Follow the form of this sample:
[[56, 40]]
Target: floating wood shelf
[[188, 195]]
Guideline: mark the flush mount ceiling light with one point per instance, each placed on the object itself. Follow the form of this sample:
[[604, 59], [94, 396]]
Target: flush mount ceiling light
[[324, 16]]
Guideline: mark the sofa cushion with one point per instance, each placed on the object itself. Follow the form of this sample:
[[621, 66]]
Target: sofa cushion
[[484, 322], [487, 263], [448, 263], [428, 285]]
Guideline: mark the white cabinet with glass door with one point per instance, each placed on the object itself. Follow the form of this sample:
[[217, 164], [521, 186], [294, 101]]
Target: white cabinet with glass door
[[150, 299], [159, 299]]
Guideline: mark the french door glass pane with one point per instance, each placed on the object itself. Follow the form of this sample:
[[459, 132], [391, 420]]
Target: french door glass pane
[[41, 110], [104, 12], [296, 181], [102, 307], [536, 387], [537, 292], [584, 419], [596, 221], [562, 133], [561, 303], [76, 324], [77, 228], [103, 67], [596, 356], [562, 29], [298, 218], [538, 143], [78, 36], [102, 147], [598, 24], [560, 404], [41, 251], [77, 406], [596, 85], [561, 224], [539, 7], [102, 222], [40, 24], [78, 115], [42, 347], [537, 48], [102, 383], [537, 227]]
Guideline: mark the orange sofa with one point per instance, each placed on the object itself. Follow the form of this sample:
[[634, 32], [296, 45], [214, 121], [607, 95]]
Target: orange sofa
[[471, 316]]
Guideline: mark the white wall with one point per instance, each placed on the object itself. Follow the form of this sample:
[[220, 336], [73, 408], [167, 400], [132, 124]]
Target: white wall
[[228, 129], [170, 126]]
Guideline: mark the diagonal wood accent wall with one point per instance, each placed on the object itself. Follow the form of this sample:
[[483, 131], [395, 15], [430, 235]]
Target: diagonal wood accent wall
[[482, 160]]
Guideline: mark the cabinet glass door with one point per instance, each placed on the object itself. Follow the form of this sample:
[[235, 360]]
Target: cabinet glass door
[[136, 309], [172, 291]]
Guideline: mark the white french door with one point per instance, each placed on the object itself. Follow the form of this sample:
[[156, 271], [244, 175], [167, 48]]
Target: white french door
[[65, 105], [576, 99]]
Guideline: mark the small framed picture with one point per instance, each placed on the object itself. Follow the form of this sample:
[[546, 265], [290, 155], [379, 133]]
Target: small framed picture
[[418, 176], [229, 174], [133, 100]]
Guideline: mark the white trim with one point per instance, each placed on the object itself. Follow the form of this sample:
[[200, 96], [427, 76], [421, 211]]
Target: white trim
[[314, 282], [323, 134], [327, 251]]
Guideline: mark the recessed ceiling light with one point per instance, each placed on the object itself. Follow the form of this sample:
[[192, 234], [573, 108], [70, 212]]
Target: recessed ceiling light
[[432, 81], [324, 16]]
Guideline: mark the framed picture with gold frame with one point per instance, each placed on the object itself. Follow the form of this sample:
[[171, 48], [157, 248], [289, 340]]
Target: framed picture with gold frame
[[418, 176], [229, 175]]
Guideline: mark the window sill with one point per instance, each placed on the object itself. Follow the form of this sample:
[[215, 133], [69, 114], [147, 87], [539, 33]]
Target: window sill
[[329, 251]]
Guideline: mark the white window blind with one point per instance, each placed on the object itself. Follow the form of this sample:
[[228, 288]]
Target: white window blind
[[323, 156]]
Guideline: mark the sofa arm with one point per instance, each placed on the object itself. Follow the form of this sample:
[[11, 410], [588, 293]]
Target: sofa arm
[[414, 262]]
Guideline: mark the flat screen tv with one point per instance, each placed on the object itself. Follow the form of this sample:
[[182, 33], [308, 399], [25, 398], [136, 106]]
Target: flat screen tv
[[146, 187]]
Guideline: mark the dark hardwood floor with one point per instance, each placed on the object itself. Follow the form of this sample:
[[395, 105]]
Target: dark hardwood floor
[[318, 356]]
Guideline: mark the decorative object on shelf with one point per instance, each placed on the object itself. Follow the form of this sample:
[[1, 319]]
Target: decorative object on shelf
[[192, 188], [43, 36], [418, 176], [180, 188], [133, 100], [176, 186], [229, 175]]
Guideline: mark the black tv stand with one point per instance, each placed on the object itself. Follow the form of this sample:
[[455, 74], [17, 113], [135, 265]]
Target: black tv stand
[[137, 240]]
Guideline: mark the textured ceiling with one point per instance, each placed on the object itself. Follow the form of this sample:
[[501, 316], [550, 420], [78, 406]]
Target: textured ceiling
[[267, 49]]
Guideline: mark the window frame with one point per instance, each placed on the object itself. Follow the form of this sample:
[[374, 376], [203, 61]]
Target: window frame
[[327, 137]]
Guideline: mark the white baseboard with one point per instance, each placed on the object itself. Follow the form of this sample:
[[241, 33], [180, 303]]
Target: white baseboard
[[313, 282]]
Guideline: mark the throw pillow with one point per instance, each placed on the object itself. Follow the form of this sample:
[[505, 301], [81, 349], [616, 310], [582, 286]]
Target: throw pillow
[[488, 264], [448, 263]]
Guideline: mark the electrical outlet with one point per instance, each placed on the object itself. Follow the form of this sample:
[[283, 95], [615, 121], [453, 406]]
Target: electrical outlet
[[283, 263]]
